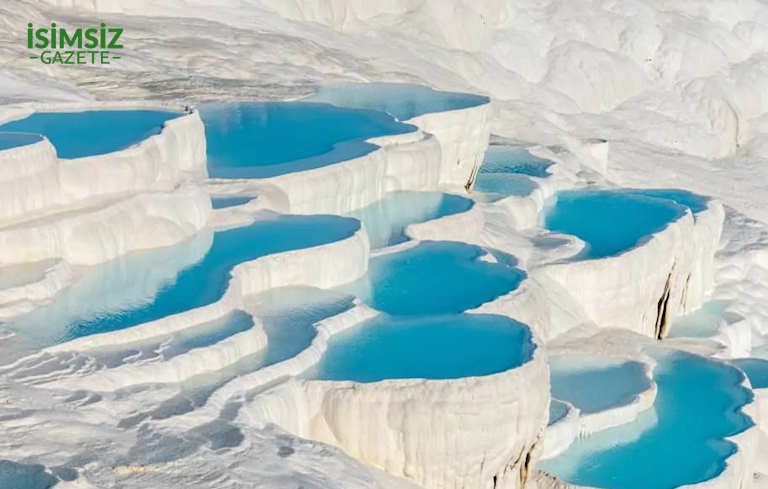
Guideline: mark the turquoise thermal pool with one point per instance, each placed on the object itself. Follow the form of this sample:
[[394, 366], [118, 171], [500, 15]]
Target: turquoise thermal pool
[[610, 222], [679, 441], [401, 100], [434, 347], [224, 202], [506, 171], [10, 140], [592, 385], [434, 277], [149, 285], [290, 314], [26, 476], [259, 140], [92, 132], [385, 220], [506, 159], [756, 370], [702, 323]]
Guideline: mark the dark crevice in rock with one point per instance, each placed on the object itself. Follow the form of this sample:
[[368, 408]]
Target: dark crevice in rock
[[472, 177], [662, 309]]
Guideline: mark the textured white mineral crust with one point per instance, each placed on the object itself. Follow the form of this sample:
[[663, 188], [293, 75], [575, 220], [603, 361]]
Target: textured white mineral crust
[[627, 93]]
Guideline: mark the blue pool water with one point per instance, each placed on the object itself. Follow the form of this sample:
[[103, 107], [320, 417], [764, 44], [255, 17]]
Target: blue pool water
[[434, 347], [199, 278], [13, 139], [594, 386], [609, 221], [258, 140], [499, 185], [289, 315], [25, 476], [403, 101], [386, 219], [507, 159], [223, 202], [92, 132], [506, 171], [756, 369], [434, 277], [557, 411], [679, 441], [702, 323]]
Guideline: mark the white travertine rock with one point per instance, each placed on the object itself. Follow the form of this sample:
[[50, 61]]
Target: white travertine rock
[[629, 290], [434, 432], [445, 153], [99, 234], [35, 182]]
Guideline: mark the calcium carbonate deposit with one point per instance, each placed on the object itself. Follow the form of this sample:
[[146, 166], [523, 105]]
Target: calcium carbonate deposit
[[346, 244]]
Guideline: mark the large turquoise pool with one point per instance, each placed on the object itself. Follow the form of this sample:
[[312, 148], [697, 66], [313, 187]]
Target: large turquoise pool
[[258, 140], [153, 284], [679, 441], [401, 100], [385, 220], [433, 347], [92, 132], [434, 277], [610, 222]]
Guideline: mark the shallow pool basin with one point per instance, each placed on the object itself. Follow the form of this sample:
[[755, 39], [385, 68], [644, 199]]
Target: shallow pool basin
[[610, 222], [149, 285], [92, 132], [433, 347], [756, 370], [260, 140], [434, 277], [679, 441], [385, 220], [593, 385]]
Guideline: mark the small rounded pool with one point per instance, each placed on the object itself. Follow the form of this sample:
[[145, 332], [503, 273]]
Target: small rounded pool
[[506, 171], [610, 222], [434, 347], [434, 277], [386, 219], [92, 132]]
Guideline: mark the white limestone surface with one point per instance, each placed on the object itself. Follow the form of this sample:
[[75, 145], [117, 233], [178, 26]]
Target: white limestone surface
[[98, 234], [35, 182]]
